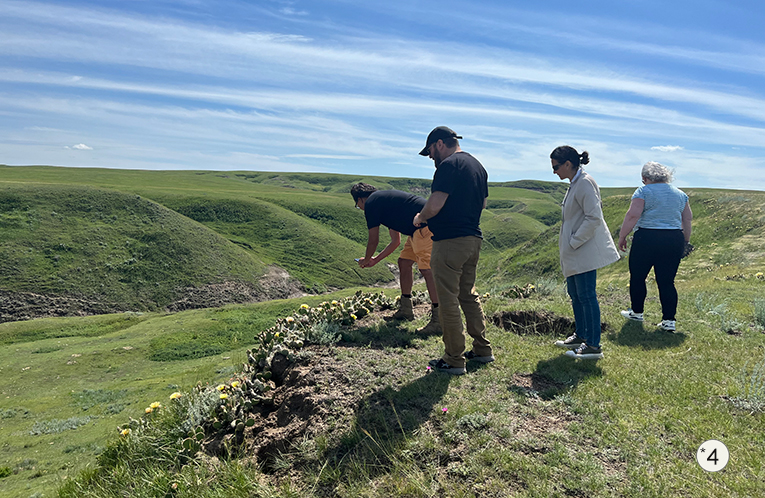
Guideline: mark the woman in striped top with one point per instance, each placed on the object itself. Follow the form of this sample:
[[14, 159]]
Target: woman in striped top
[[662, 216]]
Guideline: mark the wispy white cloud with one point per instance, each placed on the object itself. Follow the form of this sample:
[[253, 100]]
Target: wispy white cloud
[[274, 58], [667, 148], [345, 97], [289, 11], [79, 147]]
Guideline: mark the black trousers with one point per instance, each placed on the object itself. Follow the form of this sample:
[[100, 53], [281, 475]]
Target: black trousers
[[660, 250]]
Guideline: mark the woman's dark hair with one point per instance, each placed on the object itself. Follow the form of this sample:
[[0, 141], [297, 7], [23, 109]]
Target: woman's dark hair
[[565, 153]]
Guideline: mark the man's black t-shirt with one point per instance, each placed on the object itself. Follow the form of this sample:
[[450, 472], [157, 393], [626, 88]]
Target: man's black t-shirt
[[394, 209], [466, 181]]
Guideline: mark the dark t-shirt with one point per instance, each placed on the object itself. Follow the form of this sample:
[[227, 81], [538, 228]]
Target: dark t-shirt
[[394, 209], [466, 181]]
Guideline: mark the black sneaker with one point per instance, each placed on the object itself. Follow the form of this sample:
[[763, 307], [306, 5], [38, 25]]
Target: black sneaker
[[470, 355], [571, 342], [585, 352], [441, 366]]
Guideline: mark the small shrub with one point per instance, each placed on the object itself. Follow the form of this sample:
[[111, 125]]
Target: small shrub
[[324, 333], [56, 426], [114, 408], [473, 422], [90, 398], [751, 388], [706, 304], [47, 349], [548, 286], [759, 312], [198, 407], [5, 472], [727, 322]]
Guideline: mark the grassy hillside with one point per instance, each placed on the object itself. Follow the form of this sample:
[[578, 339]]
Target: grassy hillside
[[108, 247], [728, 226], [317, 255], [68, 382], [106, 244], [374, 423]]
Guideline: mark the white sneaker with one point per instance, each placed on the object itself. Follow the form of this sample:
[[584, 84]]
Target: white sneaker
[[668, 325], [631, 315]]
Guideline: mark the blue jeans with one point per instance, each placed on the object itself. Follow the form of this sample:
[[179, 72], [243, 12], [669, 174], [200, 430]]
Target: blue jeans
[[581, 288]]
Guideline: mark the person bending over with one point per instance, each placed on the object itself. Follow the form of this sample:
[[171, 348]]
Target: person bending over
[[395, 210]]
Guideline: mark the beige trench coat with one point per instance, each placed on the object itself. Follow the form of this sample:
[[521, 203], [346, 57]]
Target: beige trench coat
[[585, 243]]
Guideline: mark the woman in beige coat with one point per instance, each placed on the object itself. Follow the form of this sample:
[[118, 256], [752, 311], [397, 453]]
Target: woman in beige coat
[[585, 245]]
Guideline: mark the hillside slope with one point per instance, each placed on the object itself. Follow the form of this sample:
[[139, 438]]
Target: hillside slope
[[101, 253], [728, 228], [114, 250]]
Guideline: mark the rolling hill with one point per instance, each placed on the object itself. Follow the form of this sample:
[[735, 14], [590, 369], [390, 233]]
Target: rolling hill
[[356, 413], [83, 241]]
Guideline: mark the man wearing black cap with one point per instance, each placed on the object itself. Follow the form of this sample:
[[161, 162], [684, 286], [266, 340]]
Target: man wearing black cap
[[453, 212]]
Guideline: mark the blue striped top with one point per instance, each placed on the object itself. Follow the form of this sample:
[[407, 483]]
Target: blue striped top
[[664, 206]]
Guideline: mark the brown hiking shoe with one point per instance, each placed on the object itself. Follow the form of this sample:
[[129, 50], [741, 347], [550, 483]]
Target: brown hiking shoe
[[405, 311], [433, 326]]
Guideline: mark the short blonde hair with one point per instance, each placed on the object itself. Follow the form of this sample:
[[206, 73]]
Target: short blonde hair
[[657, 172]]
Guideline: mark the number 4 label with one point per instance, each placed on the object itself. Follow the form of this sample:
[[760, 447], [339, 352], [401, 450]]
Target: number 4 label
[[712, 455]]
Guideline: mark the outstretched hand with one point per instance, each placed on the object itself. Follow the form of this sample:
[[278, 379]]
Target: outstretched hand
[[367, 263]]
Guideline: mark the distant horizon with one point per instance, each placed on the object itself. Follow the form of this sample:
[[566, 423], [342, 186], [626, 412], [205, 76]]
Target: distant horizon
[[347, 174], [347, 87]]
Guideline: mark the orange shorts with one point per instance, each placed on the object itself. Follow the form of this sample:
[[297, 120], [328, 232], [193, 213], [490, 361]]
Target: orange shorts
[[418, 248]]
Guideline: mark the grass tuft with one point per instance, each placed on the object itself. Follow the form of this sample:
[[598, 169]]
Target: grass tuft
[[751, 386], [56, 426]]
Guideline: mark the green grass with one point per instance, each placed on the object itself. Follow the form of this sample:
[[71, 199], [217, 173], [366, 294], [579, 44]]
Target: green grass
[[73, 380], [530, 424], [117, 250], [114, 237], [626, 426]]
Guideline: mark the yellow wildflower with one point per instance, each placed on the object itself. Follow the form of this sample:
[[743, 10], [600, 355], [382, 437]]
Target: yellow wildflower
[[335, 303], [221, 387], [235, 384], [155, 405], [125, 432], [758, 274], [175, 395], [303, 306], [224, 396], [290, 319], [149, 409], [354, 316], [277, 335]]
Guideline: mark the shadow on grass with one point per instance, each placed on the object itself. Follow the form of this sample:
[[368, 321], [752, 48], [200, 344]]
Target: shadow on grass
[[647, 337], [384, 335], [384, 421], [555, 376]]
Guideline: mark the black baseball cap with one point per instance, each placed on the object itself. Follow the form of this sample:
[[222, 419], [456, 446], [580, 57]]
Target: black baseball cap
[[438, 133]]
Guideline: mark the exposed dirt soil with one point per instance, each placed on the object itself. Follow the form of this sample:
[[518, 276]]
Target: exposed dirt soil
[[330, 391], [275, 284], [536, 322], [15, 306]]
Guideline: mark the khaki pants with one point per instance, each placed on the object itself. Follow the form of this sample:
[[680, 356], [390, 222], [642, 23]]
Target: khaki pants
[[454, 263]]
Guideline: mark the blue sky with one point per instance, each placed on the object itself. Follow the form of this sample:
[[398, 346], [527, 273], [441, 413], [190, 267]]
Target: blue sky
[[355, 86]]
